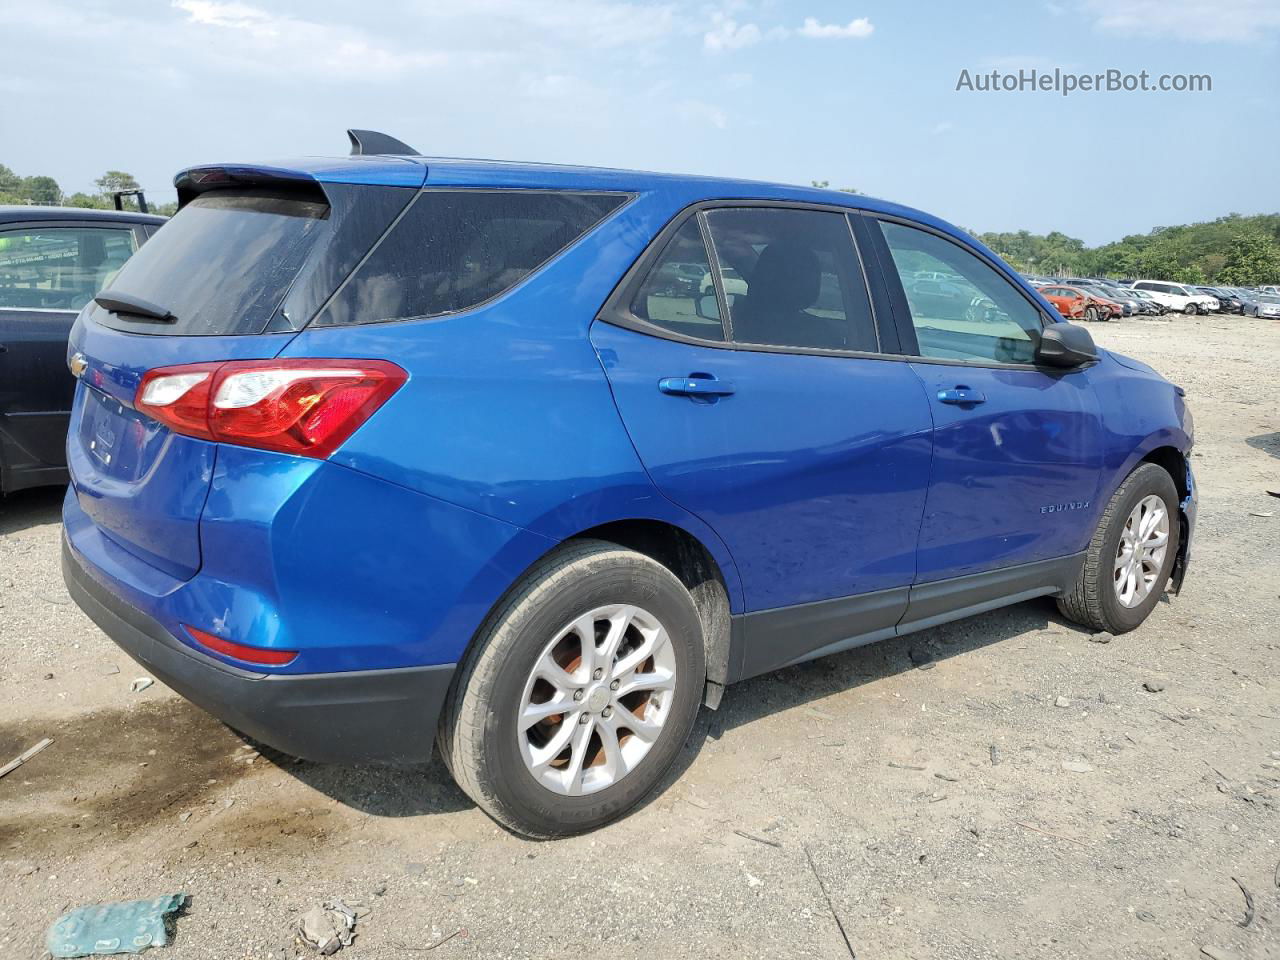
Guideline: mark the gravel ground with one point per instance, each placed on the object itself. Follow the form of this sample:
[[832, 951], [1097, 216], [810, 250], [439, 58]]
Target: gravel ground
[[1024, 797]]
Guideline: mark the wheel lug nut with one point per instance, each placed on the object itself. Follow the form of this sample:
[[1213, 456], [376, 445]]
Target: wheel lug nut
[[578, 694], [599, 672], [583, 718], [606, 712], [615, 685]]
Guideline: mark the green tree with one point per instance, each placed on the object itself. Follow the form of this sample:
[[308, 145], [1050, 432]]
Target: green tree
[[1252, 258], [114, 180], [826, 185], [41, 189], [9, 181], [91, 201]]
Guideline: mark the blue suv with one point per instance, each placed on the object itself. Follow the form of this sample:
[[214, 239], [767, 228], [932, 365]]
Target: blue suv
[[530, 462]]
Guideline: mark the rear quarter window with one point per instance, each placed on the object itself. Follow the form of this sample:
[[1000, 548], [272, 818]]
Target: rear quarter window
[[455, 249]]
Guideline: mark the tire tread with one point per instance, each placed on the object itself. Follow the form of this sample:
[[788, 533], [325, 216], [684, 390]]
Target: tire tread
[[461, 738]]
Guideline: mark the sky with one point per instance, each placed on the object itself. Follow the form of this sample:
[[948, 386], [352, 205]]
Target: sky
[[862, 94]]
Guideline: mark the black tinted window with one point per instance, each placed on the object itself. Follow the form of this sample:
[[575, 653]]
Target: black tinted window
[[792, 279], [454, 249], [678, 293], [59, 268], [962, 309], [223, 263]]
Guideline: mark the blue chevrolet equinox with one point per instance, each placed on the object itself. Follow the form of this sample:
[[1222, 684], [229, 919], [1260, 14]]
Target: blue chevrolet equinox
[[378, 452]]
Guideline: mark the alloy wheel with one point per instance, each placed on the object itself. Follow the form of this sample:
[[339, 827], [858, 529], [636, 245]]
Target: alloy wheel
[[596, 700], [1140, 555]]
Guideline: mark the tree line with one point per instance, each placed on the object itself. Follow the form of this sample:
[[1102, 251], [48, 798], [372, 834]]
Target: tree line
[[39, 189], [1232, 250]]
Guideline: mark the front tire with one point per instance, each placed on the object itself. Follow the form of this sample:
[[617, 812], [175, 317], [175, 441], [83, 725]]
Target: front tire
[[578, 692], [1091, 314], [1190, 309], [1130, 558]]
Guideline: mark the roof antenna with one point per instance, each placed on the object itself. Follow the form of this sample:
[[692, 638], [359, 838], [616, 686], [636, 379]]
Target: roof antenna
[[368, 142]]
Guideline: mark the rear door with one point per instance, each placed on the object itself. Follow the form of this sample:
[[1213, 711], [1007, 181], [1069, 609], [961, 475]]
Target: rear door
[[1017, 447], [48, 271], [785, 426]]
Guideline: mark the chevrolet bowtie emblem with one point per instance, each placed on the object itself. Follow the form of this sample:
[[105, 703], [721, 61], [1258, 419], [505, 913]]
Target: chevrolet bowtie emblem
[[78, 364]]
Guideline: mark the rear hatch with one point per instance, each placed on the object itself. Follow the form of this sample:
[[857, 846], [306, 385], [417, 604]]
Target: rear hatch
[[249, 258]]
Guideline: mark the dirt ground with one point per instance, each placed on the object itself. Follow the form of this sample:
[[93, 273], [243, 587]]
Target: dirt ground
[[1024, 796]]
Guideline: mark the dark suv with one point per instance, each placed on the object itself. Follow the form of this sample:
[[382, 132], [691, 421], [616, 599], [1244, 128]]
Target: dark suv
[[52, 261]]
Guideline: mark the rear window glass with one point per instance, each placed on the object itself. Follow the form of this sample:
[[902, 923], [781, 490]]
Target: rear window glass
[[223, 263], [455, 249]]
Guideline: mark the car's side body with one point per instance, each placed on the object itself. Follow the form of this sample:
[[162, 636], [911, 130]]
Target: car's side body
[[1176, 296], [829, 498], [52, 259]]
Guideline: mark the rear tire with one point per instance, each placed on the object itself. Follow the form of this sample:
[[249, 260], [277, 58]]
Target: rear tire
[[1097, 600], [602, 767]]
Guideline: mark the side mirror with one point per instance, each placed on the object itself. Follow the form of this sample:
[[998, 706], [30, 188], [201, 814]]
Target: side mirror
[[708, 308], [1066, 345]]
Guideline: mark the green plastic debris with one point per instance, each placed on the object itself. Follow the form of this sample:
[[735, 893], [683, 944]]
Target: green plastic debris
[[106, 928]]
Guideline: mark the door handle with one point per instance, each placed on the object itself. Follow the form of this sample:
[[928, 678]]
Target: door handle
[[961, 395], [695, 386]]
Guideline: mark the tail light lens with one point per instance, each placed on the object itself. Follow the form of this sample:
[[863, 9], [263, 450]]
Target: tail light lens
[[307, 407], [239, 651]]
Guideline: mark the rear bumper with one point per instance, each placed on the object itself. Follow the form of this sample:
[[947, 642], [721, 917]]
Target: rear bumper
[[361, 716]]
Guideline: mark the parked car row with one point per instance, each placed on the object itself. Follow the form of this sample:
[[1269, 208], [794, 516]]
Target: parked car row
[[1099, 298]]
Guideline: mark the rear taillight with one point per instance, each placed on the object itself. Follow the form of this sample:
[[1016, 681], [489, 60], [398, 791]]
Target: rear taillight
[[306, 406]]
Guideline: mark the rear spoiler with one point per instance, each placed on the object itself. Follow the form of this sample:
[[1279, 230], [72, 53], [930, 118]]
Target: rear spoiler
[[307, 176], [194, 181]]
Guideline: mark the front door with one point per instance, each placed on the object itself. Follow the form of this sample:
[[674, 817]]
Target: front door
[[1017, 447], [781, 428], [47, 273]]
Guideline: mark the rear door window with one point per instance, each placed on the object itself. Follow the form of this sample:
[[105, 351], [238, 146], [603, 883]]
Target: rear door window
[[455, 249], [60, 268], [678, 293], [792, 279], [970, 311], [224, 262]]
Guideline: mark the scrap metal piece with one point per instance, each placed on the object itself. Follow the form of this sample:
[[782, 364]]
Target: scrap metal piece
[[129, 926]]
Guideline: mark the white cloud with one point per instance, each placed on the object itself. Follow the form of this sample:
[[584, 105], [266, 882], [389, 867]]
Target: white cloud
[[944, 126], [270, 41], [236, 16], [727, 34], [1231, 21], [856, 28]]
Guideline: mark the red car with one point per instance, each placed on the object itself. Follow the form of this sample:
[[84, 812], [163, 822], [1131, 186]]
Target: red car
[[1076, 304]]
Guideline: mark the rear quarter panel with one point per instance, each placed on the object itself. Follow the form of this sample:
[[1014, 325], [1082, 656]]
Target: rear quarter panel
[[507, 411]]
